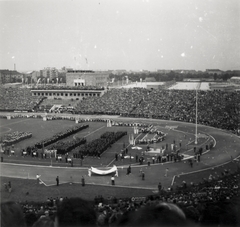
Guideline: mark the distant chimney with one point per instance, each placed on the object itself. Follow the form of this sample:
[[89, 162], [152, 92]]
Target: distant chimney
[[14, 67]]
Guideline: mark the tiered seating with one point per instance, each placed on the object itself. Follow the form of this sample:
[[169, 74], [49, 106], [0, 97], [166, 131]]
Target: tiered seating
[[115, 101], [18, 99]]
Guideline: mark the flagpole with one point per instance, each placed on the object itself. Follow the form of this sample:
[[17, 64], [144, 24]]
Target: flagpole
[[196, 118]]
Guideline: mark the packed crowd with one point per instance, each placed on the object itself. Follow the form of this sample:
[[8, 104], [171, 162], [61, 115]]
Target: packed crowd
[[60, 136], [200, 204], [98, 146], [115, 101], [18, 99], [215, 108], [213, 202], [14, 137]]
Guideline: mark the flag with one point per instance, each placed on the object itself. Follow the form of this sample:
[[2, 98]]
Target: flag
[[38, 81]]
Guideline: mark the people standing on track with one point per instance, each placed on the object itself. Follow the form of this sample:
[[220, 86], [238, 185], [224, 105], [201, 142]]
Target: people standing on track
[[143, 176], [113, 180], [136, 158], [129, 170], [191, 163], [57, 180], [9, 187], [166, 172], [83, 181], [159, 187], [38, 178]]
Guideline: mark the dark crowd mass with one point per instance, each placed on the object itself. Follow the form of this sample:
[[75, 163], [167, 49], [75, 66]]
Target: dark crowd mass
[[213, 202], [215, 108]]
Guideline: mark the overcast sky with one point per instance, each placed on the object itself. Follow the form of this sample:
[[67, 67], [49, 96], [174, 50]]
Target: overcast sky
[[120, 34]]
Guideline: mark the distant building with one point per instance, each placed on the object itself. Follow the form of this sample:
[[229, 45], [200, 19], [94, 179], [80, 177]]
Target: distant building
[[235, 80], [119, 71], [86, 78], [214, 71], [49, 72], [184, 71], [164, 71], [198, 79], [150, 79], [10, 76], [62, 93], [33, 75], [222, 87]]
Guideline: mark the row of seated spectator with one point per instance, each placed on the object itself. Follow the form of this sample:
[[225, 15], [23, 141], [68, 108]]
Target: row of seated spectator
[[18, 99], [115, 101], [214, 202], [215, 108], [54, 87]]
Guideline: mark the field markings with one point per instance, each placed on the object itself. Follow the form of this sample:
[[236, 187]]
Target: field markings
[[104, 185], [201, 170], [160, 126], [42, 166], [94, 131], [9, 130], [2, 126]]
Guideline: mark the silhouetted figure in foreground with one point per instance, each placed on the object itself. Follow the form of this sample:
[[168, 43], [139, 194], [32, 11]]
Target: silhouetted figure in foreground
[[162, 214], [75, 212]]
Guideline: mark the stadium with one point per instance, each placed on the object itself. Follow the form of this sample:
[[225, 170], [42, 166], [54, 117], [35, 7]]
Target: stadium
[[120, 148], [120, 113]]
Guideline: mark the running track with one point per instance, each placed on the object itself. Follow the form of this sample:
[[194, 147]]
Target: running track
[[227, 148]]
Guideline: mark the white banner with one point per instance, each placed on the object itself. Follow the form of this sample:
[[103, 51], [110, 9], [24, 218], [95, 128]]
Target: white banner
[[104, 172]]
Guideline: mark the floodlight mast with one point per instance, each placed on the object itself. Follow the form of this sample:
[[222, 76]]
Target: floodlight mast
[[196, 140]]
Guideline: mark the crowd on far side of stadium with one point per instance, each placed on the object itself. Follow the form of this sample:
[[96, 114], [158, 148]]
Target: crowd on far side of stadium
[[215, 108], [18, 99], [115, 101]]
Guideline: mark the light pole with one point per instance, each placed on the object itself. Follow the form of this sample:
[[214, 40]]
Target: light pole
[[196, 141]]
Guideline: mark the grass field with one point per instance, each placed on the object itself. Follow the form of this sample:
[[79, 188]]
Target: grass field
[[23, 176], [40, 193], [42, 130]]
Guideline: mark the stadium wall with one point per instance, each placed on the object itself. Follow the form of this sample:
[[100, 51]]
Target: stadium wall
[[90, 78], [68, 94]]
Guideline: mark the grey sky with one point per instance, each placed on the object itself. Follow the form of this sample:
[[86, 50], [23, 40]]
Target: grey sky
[[120, 34]]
